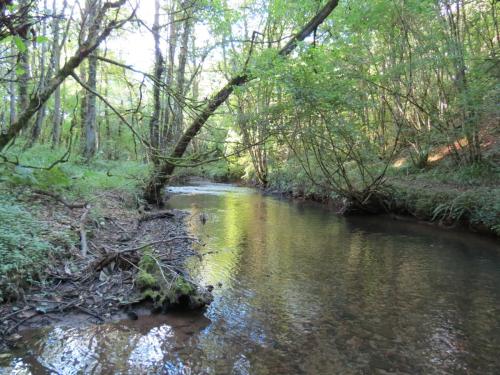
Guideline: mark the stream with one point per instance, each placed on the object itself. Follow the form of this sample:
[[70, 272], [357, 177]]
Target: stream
[[300, 290]]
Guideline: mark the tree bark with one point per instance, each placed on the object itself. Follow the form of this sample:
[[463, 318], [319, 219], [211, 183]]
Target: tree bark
[[178, 114], [40, 116], [12, 90], [172, 46], [24, 64], [55, 65], [162, 173], [154, 125], [89, 107], [91, 143]]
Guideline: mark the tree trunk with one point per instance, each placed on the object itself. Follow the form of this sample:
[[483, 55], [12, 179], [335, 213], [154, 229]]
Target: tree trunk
[[154, 125], [94, 38], [162, 173], [178, 114], [55, 65], [12, 91], [172, 46], [91, 143], [40, 116], [24, 64]]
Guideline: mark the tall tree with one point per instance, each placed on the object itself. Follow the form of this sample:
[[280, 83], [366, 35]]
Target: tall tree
[[55, 65], [97, 33], [154, 124], [162, 173], [40, 116], [169, 76], [89, 123], [24, 63], [179, 103]]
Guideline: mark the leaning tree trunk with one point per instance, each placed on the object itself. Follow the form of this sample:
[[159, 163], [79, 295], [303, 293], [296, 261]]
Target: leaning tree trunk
[[94, 38], [162, 173]]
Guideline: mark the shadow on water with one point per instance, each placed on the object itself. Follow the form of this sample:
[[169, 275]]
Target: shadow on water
[[300, 290]]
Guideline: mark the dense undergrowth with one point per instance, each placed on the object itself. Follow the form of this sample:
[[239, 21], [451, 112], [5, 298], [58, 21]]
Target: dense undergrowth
[[445, 193], [23, 247], [27, 239]]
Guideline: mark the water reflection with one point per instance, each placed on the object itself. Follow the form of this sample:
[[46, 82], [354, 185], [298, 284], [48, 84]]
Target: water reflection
[[303, 291]]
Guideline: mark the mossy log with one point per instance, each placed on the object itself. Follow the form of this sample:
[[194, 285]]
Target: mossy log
[[167, 289]]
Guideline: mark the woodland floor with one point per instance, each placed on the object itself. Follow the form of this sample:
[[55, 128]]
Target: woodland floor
[[99, 286]]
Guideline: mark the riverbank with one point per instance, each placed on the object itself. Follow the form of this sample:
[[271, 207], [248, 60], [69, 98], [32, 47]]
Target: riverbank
[[448, 206], [93, 256], [443, 194]]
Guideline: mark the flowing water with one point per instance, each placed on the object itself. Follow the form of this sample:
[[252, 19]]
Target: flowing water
[[299, 290]]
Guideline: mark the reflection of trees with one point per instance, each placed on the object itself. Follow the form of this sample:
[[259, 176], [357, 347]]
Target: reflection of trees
[[141, 348], [305, 286]]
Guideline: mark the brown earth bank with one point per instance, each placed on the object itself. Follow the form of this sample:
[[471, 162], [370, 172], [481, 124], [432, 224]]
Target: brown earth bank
[[126, 263]]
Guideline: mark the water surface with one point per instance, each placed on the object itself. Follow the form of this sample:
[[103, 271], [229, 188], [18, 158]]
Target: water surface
[[300, 290]]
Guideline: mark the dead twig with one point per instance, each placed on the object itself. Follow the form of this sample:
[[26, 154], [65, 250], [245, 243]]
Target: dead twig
[[156, 215], [4, 318], [60, 199], [157, 243], [103, 262], [89, 312], [83, 234]]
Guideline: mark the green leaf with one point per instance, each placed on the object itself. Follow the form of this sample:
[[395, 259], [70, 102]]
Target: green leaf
[[6, 40], [20, 44], [20, 71], [41, 39]]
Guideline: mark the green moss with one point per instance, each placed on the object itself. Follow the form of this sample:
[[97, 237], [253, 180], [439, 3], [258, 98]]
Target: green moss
[[147, 276], [154, 295], [146, 280], [154, 287], [184, 287]]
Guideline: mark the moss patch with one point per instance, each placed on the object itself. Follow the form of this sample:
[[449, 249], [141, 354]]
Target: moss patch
[[165, 290]]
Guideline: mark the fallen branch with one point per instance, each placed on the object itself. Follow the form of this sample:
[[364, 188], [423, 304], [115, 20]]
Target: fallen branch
[[157, 243], [83, 235], [101, 263], [60, 199], [89, 312], [155, 216]]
